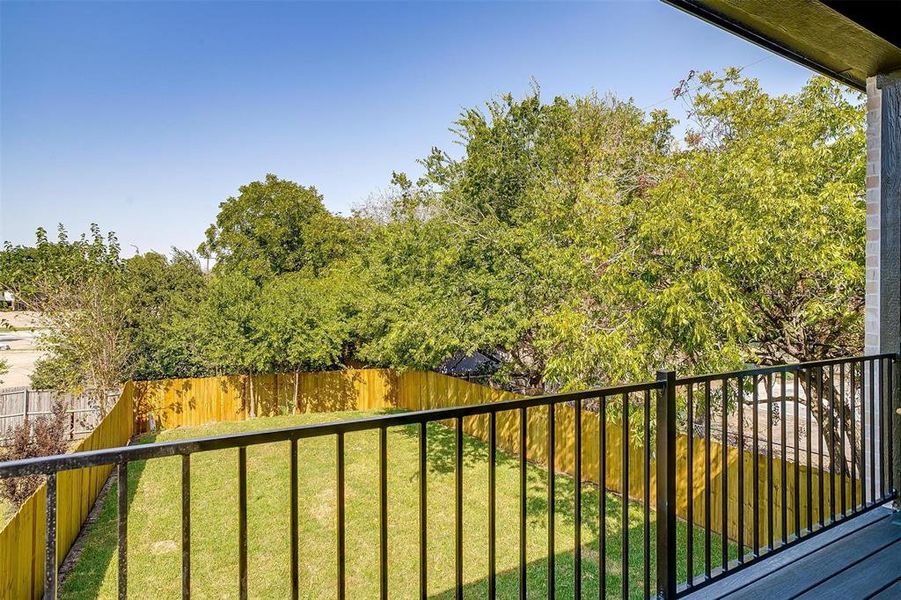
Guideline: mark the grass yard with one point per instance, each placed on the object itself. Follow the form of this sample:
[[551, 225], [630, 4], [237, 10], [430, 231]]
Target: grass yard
[[154, 555]]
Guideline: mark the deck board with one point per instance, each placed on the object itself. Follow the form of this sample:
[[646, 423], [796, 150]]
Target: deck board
[[856, 559], [863, 579], [892, 591]]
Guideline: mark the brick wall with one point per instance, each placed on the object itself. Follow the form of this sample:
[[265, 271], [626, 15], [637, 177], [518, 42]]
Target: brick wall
[[874, 158]]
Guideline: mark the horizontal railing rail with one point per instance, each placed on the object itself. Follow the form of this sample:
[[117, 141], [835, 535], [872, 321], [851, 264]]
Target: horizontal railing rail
[[675, 472], [108, 456], [773, 369]]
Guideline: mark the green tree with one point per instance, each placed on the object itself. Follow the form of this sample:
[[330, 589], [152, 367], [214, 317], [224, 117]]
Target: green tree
[[29, 271], [223, 325], [411, 309], [163, 295], [18, 272], [487, 248], [275, 226], [580, 243], [753, 248], [302, 324], [84, 305]]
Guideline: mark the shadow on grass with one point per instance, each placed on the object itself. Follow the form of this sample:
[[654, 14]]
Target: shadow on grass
[[100, 546], [100, 553], [441, 446], [536, 580]]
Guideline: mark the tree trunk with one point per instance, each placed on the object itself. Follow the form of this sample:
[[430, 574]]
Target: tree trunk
[[100, 397], [834, 412]]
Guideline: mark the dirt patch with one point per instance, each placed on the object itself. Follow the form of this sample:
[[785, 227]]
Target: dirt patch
[[163, 547], [323, 508]]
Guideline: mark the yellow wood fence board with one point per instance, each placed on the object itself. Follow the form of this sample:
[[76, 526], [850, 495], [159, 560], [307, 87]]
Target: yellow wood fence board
[[22, 539]]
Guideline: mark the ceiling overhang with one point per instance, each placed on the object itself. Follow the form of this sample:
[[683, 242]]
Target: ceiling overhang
[[848, 41]]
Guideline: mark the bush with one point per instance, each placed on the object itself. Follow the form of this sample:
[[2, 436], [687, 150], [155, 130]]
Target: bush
[[43, 436]]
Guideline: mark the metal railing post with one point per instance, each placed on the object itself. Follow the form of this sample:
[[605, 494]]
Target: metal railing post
[[666, 486], [895, 429]]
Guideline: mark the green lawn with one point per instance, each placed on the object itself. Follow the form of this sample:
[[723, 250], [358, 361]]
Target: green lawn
[[154, 555]]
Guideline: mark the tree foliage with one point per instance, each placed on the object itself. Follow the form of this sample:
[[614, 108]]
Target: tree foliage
[[84, 307], [577, 240], [29, 272], [275, 226], [164, 293], [502, 238], [302, 323]]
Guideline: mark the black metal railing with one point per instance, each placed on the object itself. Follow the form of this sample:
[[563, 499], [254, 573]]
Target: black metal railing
[[830, 424], [662, 415]]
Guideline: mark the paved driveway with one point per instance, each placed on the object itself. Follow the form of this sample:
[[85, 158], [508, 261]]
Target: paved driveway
[[22, 353]]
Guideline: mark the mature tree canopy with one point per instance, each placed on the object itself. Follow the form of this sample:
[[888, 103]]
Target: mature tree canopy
[[575, 239], [163, 295], [29, 272], [275, 226], [582, 245], [753, 247], [504, 234], [222, 324], [301, 323]]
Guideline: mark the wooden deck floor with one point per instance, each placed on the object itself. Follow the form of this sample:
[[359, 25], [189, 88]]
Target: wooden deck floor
[[859, 559]]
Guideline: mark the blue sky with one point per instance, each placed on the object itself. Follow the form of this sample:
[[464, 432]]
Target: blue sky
[[142, 117]]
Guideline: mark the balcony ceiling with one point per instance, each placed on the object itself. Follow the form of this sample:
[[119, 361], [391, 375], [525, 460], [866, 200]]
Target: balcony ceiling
[[843, 39]]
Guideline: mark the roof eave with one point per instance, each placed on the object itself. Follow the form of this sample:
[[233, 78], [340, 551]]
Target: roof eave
[[737, 28]]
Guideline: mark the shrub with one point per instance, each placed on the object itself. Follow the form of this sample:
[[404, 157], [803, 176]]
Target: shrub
[[43, 436]]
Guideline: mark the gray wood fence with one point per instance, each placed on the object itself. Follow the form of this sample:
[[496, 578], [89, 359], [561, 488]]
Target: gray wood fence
[[20, 403]]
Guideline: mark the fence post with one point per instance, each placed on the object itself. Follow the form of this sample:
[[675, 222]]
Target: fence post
[[666, 486], [71, 402]]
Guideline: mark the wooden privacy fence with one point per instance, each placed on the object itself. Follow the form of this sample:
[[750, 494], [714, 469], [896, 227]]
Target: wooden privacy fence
[[417, 391], [22, 540], [23, 403], [180, 402], [172, 403]]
